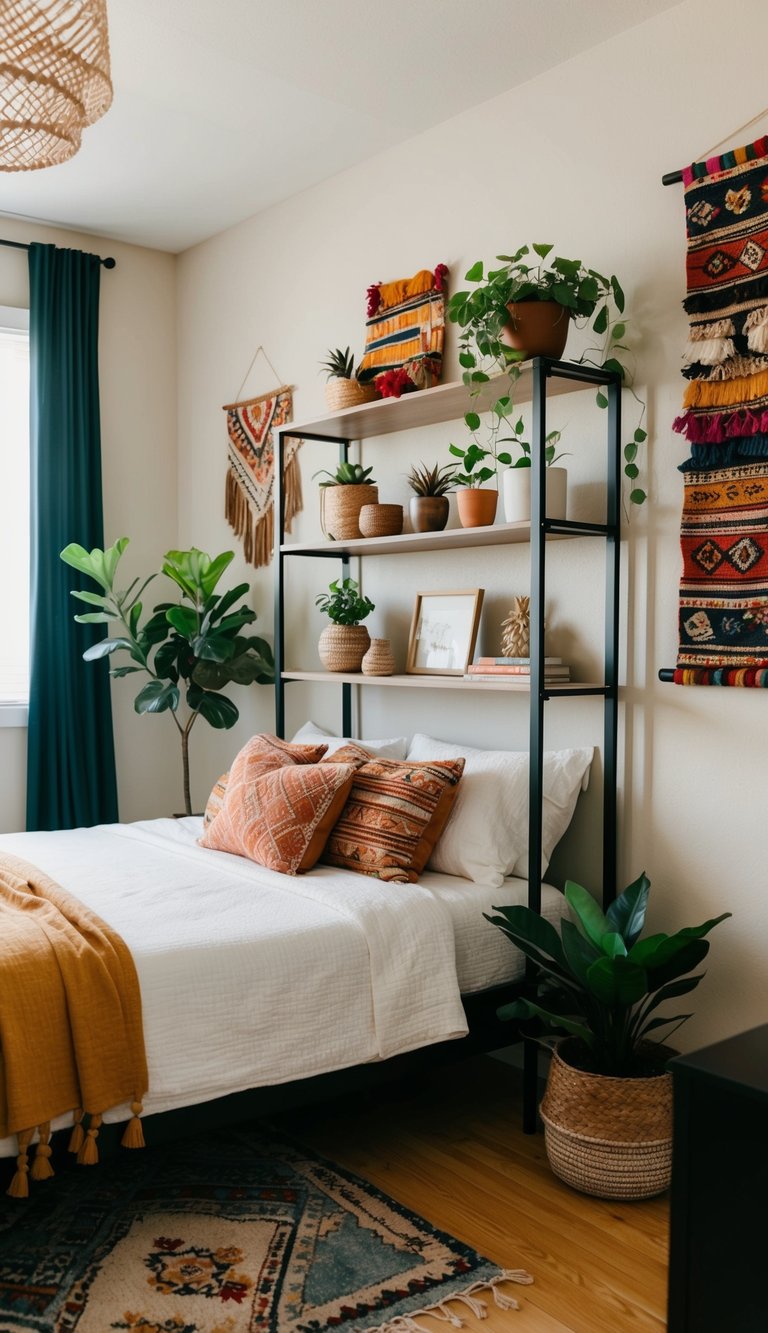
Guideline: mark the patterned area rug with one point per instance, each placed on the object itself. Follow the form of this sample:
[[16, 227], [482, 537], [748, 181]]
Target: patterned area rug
[[250, 1233]]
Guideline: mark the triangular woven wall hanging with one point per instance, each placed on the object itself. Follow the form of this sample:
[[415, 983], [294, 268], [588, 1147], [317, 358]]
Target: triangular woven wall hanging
[[249, 502]]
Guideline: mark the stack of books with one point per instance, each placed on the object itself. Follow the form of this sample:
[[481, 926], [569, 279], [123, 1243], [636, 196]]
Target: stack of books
[[518, 669]]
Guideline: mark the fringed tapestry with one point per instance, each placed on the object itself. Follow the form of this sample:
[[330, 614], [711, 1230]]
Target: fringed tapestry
[[405, 332], [249, 505], [724, 533]]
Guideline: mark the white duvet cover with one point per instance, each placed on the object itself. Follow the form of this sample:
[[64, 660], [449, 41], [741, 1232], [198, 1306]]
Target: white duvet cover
[[249, 977]]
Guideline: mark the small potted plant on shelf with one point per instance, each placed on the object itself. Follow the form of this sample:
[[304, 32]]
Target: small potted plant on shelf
[[345, 387], [480, 463], [429, 505], [516, 480], [344, 643], [525, 308], [342, 497], [607, 1110]]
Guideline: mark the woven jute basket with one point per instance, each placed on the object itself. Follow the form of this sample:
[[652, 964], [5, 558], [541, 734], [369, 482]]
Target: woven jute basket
[[340, 393], [609, 1137], [381, 520], [378, 661], [340, 509], [343, 647]]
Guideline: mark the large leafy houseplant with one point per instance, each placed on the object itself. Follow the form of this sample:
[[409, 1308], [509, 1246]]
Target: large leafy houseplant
[[601, 982], [190, 649], [586, 296]]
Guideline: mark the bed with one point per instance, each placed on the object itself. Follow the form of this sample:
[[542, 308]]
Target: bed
[[251, 979]]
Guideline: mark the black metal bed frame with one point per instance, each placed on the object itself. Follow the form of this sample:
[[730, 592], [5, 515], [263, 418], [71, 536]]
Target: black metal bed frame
[[541, 528]]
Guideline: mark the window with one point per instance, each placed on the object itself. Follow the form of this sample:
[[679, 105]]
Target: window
[[14, 511]]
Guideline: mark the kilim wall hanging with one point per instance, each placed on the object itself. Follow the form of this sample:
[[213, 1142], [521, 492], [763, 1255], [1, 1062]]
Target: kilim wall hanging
[[723, 623], [405, 332], [249, 496]]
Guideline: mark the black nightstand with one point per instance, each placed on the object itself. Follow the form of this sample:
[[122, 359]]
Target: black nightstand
[[717, 1265]]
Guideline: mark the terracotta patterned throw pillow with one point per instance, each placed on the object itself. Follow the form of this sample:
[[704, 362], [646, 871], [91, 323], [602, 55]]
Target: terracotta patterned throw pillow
[[278, 813], [394, 815], [273, 752]]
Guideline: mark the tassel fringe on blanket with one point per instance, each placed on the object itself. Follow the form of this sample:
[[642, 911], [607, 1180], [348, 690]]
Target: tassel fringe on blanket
[[443, 1312]]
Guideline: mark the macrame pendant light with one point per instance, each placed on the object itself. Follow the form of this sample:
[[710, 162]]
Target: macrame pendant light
[[54, 78]]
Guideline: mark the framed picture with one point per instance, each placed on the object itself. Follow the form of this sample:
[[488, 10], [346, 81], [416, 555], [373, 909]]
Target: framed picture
[[443, 632]]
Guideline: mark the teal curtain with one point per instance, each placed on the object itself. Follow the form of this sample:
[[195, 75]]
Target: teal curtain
[[71, 761]]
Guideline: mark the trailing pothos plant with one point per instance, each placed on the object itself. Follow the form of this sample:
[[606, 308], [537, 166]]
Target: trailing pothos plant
[[600, 982], [190, 649], [588, 297]]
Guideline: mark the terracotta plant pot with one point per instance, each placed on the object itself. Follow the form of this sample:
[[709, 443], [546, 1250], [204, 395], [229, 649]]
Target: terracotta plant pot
[[429, 513], [609, 1137], [340, 510], [516, 482], [343, 647], [381, 520], [378, 661], [477, 508], [538, 328]]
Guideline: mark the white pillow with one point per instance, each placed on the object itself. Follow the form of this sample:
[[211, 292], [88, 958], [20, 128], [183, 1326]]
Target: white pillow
[[391, 749], [486, 836]]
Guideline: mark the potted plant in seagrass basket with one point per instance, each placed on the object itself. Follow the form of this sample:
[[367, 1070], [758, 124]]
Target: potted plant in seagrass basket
[[345, 387], [607, 1110], [342, 497], [344, 643], [429, 505]]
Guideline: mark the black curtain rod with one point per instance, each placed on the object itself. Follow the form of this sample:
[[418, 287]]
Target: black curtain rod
[[109, 262], [672, 178]]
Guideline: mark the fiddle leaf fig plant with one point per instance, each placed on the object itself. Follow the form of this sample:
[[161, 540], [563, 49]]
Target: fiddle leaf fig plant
[[190, 649], [601, 982]]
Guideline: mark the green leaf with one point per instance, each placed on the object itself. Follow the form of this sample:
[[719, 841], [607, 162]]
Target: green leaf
[[589, 918], [600, 322], [632, 471], [618, 331], [104, 647], [93, 618], [630, 452], [184, 620], [533, 934], [601, 399], [638, 496], [475, 273], [618, 294], [640, 435], [542, 250], [472, 420], [504, 458], [521, 1009], [674, 989], [617, 982], [614, 365], [217, 709], [455, 450], [580, 953], [467, 360], [91, 598], [157, 697], [626, 914], [117, 672], [675, 958], [613, 945]]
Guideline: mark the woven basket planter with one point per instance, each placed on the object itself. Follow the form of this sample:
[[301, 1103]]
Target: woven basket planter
[[378, 661], [381, 520], [340, 393], [343, 647], [340, 510], [609, 1137]]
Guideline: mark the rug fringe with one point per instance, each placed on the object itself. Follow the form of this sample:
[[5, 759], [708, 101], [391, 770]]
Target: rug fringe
[[408, 1323]]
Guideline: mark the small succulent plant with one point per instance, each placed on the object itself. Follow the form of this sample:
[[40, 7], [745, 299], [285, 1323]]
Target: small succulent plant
[[339, 365], [435, 480], [347, 474]]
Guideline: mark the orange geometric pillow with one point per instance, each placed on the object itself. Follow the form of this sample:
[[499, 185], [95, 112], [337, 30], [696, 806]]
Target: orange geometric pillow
[[280, 817], [394, 815], [272, 753]]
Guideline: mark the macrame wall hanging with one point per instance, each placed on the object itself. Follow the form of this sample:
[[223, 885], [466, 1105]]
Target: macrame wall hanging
[[249, 500], [723, 623]]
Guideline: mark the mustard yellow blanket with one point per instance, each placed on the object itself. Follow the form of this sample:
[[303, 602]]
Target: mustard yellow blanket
[[71, 1035]]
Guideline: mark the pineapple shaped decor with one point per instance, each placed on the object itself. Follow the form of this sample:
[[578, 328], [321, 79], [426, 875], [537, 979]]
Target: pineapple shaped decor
[[516, 630]]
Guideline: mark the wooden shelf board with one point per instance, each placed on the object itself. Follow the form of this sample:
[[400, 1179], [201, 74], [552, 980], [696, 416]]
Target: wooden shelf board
[[428, 682], [427, 407], [450, 539]]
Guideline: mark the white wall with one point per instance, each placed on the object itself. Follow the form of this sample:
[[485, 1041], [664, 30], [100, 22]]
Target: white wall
[[574, 157], [137, 358]]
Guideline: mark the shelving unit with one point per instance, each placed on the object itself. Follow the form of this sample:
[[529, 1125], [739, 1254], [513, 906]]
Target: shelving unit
[[540, 379]]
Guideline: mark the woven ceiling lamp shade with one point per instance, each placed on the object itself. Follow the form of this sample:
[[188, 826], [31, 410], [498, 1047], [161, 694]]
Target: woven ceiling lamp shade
[[54, 78]]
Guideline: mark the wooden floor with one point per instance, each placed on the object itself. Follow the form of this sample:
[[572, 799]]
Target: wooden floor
[[455, 1153]]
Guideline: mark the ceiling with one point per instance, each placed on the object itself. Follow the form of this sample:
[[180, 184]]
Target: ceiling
[[225, 107]]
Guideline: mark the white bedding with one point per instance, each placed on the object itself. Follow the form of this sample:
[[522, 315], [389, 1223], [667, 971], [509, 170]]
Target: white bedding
[[249, 977]]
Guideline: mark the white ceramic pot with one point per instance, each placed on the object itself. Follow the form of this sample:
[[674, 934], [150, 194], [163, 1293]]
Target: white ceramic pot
[[516, 482]]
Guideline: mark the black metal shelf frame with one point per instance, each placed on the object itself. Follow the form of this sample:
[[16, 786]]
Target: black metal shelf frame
[[541, 527]]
